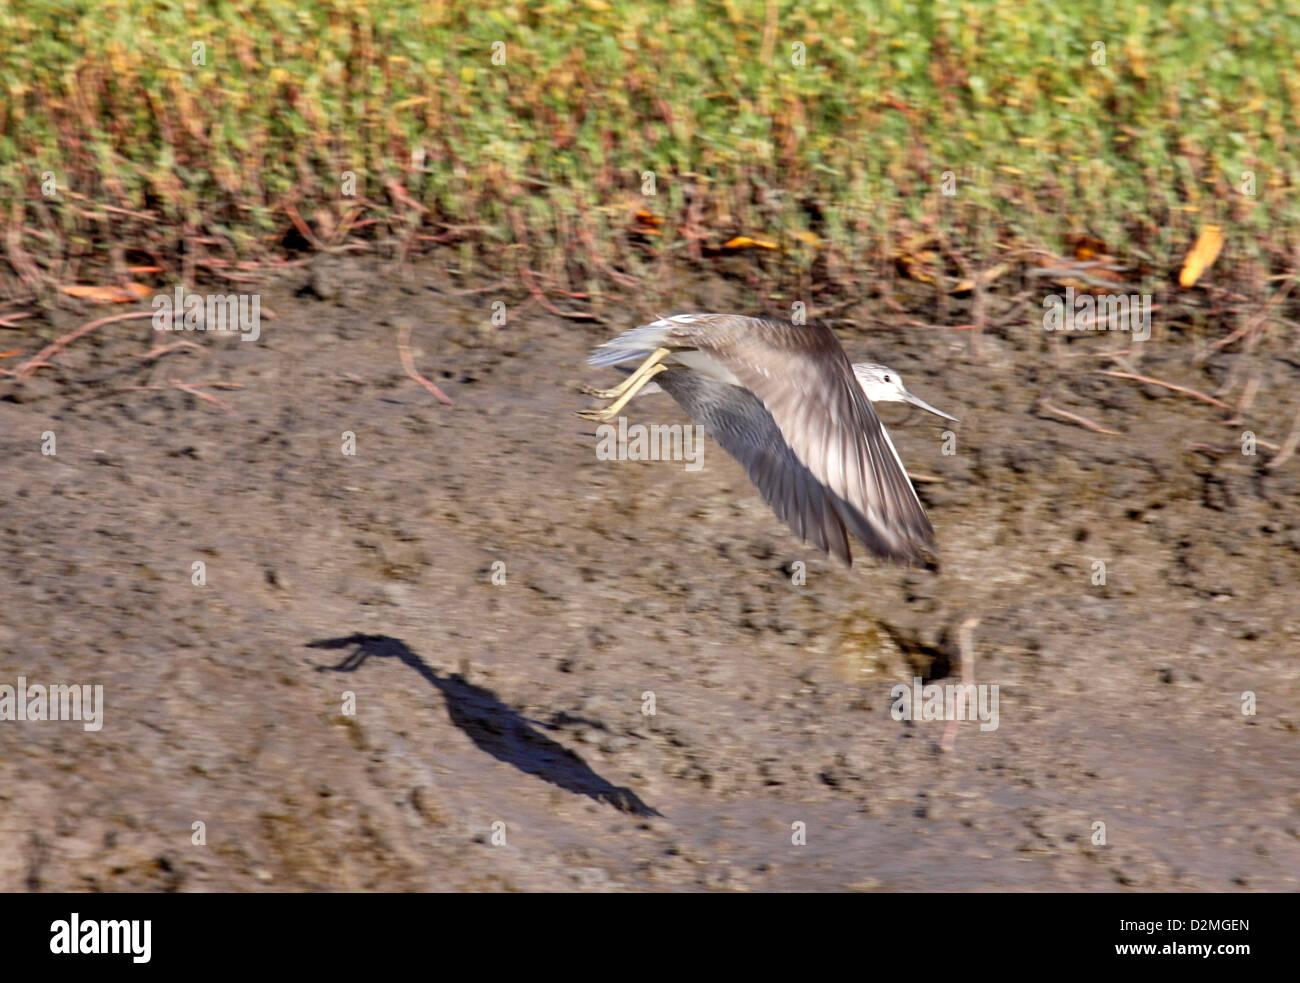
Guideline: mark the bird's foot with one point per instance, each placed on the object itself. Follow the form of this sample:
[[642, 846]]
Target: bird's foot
[[629, 387], [600, 393]]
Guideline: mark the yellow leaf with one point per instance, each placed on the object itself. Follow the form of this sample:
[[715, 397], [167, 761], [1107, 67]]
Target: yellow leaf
[[109, 294], [808, 237], [985, 278], [745, 242], [1086, 248], [1202, 256]]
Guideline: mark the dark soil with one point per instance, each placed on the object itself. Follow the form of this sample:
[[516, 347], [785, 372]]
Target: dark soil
[[522, 704]]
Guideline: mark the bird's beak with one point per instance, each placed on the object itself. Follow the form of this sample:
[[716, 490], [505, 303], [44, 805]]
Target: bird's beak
[[918, 402]]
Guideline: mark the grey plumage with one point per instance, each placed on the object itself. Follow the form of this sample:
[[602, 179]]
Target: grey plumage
[[783, 399], [745, 429]]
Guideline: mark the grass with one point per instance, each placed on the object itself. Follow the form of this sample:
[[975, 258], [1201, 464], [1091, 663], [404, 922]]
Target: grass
[[838, 158]]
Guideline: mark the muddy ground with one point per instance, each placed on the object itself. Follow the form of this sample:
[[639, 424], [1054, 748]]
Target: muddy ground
[[521, 703]]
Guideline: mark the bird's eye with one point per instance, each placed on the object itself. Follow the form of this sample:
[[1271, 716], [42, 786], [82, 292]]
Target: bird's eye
[[887, 379]]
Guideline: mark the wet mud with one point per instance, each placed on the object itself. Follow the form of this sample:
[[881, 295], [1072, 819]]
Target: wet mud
[[426, 665]]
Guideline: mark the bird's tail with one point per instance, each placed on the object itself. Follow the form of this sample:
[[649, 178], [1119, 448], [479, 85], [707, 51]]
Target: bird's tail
[[605, 355], [634, 345]]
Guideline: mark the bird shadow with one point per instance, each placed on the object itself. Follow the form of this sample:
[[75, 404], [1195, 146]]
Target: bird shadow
[[491, 725]]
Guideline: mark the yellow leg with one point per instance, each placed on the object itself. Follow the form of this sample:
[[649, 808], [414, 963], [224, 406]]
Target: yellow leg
[[611, 411], [657, 356]]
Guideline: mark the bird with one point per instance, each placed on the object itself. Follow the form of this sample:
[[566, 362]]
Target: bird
[[785, 401]]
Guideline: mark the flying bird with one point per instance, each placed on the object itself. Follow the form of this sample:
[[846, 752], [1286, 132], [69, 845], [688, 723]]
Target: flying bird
[[785, 401]]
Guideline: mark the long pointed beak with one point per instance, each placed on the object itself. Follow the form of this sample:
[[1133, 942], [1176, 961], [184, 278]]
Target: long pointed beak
[[918, 402]]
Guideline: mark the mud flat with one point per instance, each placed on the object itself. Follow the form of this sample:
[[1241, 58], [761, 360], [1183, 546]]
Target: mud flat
[[516, 708]]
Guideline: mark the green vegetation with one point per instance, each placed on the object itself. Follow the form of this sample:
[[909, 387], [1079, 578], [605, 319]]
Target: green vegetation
[[541, 160]]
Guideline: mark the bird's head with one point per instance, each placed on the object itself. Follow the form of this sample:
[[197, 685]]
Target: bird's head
[[882, 385]]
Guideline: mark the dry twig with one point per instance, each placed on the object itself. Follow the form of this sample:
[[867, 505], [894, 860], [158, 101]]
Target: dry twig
[[408, 363], [28, 368], [1288, 446], [1082, 421], [540, 297], [1167, 385]]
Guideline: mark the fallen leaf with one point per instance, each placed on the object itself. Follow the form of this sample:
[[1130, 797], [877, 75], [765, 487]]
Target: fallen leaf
[[1086, 248], [745, 242], [985, 277], [920, 266], [111, 294], [1202, 256]]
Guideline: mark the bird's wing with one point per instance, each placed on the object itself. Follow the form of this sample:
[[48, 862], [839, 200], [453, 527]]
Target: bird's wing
[[806, 383], [736, 419]]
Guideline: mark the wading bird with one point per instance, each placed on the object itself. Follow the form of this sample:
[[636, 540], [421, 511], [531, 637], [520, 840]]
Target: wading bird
[[784, 400]]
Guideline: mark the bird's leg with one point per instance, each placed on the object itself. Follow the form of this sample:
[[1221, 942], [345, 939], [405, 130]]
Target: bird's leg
[[655, 358], [604, 393], [611, 411]]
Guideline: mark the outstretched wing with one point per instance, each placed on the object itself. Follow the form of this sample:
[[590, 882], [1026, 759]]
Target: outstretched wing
[[804, 382], [736, 419]]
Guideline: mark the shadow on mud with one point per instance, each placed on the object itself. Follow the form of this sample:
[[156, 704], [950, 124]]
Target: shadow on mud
[[492, 725]]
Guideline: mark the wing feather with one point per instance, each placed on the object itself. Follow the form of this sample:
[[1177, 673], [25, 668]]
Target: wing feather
[[804, 380], [739, 422]]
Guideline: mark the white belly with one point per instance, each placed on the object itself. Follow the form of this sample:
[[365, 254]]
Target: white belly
[[704, 364]]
